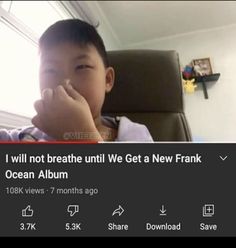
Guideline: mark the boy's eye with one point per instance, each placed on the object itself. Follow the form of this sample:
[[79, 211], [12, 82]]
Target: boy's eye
[[79, 67]]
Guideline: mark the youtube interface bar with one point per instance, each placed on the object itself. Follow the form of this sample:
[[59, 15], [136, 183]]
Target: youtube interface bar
[[117, 189]]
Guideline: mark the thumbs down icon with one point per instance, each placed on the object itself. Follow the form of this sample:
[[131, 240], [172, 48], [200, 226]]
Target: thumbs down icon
[[73, 209]]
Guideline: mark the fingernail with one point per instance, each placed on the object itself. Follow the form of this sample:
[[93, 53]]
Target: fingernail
[[67, 81]]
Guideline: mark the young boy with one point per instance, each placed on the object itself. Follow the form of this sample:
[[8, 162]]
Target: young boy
[[74, 78]]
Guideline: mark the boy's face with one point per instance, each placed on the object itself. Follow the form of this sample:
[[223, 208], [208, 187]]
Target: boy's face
[[83, 66]]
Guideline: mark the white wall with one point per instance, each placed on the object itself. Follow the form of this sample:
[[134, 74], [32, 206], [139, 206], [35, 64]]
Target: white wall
[[105, 30], [108, 40], [212, 119]]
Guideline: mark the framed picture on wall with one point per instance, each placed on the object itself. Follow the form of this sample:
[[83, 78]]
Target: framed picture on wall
[[202, 67]]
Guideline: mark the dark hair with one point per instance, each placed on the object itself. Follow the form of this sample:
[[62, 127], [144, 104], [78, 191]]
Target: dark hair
[[76, 31]]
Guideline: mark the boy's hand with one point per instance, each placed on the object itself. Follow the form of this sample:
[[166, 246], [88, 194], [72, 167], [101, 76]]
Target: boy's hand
[[63, 113]]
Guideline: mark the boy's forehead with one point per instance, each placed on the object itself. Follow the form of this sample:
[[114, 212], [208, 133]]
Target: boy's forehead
[[68, 50]]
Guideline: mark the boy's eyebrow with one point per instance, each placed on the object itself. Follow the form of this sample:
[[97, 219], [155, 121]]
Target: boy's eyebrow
[[82, 56], [79, 57], [49, 61]]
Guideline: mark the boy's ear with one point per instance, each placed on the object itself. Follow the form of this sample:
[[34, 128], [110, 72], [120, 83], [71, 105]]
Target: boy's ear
[[110, 78]]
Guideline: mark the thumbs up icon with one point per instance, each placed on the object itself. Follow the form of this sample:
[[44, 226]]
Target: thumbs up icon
[[27, 212]]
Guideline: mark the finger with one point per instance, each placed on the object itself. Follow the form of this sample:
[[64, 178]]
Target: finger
[[39, 106], [60, 92], [72, 92], [37, 122], [47, 95]]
